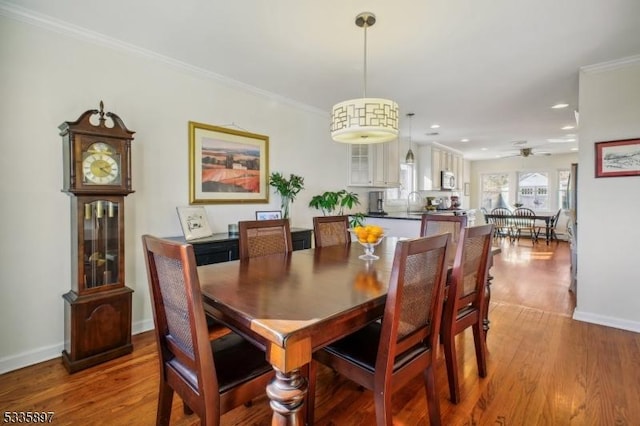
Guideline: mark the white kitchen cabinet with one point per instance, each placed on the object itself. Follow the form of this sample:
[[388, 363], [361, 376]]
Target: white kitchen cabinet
[[376, 165], [425, 176], [443, 159]]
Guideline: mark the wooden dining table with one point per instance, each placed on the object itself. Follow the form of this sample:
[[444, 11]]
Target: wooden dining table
[[293, 304]]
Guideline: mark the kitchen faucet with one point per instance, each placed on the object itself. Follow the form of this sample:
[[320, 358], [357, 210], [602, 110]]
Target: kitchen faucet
[[418, 199]]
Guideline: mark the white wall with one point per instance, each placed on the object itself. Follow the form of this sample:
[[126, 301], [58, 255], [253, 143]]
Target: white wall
[[608, 231], [49, 77]]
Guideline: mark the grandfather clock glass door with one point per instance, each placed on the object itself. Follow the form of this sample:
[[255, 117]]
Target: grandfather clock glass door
[[101, 242]]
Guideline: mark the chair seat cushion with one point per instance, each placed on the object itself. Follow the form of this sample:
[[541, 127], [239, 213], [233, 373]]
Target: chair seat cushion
[[361, 348], [236, 361]]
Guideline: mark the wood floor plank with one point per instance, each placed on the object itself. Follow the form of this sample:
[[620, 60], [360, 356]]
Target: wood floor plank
[[544, 368]]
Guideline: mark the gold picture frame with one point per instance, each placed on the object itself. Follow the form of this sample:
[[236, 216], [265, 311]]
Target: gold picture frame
[[227, 166]]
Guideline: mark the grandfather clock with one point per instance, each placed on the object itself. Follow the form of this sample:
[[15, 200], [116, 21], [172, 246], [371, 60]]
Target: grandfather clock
[[97, 177]]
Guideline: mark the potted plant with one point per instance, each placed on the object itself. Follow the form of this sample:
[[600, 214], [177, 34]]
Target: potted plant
[[287, 188], [331, 203]]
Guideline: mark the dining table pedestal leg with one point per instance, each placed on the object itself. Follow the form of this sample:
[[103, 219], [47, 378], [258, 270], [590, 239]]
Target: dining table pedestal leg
[[287, 393]]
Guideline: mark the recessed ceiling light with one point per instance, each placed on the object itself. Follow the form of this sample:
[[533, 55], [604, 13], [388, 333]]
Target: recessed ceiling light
[[570, 135], [561, 140], [574, 149], [558, 106], [568, 127], [484, 149], [464, 140], [435, 126]]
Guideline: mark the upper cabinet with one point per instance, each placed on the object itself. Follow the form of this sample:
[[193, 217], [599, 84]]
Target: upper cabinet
[[443, 159], [432, 160], [376, 165]]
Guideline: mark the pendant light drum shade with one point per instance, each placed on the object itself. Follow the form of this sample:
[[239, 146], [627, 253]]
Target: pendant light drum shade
[[364, 120]]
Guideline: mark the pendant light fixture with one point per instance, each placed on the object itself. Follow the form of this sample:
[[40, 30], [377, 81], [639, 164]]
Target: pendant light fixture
[[364, 120], [409, 159]]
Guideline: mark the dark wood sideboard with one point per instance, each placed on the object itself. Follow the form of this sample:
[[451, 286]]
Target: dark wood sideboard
[[223, 247]]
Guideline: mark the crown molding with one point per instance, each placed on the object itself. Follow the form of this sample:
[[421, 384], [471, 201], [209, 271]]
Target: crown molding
[[49, 23], [611, 65]]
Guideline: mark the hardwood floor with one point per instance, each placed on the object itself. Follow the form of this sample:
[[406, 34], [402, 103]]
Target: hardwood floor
[[544, 369]]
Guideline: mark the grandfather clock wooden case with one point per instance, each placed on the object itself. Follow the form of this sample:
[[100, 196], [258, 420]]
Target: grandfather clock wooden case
[[97, 177]]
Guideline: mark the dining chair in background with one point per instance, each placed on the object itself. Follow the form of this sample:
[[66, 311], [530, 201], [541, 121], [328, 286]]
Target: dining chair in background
[[553, 226], [264, 237], [502, 224], [465, 302], [331, 230], [211, 376], [524, 221], [438, 224], [385, 355]]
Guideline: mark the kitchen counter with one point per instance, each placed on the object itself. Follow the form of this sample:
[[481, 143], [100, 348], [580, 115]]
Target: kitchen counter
[[403, 224], [414, 216]]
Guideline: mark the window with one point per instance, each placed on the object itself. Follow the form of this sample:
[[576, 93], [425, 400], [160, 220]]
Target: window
[[406, 184], [533, 190], [563, 188], [495, 191]]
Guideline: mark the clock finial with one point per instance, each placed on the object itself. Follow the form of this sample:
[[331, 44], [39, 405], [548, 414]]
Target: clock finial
[[101, 112]]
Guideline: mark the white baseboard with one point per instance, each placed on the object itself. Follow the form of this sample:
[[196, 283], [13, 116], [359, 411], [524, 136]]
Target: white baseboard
[[46, 353], [607, 321], [34, 356], [142, 326]]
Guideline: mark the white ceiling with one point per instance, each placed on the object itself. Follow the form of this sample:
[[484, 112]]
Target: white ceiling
[[486, 70]]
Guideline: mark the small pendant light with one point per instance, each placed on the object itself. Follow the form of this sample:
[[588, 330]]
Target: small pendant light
[[409, 159]]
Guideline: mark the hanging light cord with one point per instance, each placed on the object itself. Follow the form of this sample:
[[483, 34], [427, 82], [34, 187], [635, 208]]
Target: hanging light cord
[[364, 89], [410, 128]]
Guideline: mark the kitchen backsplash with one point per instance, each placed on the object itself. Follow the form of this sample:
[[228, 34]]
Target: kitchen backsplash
[[397, 205]]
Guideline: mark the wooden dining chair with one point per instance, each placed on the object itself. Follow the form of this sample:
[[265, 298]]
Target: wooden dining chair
[[264, 237], [553, 226], [524, 221], [385, 355], [331, 230], [437, 224], [503, 224], [465, 302], [211, 376]]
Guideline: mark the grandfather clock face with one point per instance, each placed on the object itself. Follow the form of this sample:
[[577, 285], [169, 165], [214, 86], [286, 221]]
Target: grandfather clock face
[[101, 165]]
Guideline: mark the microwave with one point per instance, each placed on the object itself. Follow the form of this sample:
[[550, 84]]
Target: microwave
[[448, 180]]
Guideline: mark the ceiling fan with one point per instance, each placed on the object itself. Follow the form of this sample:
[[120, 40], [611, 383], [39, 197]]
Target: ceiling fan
[[525, 151]]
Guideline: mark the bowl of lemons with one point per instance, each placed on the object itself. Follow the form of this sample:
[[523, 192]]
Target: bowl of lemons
[[369, 236]]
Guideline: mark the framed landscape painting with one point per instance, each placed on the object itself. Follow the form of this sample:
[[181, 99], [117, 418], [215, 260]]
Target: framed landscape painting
[[618, 158], [227, 166]]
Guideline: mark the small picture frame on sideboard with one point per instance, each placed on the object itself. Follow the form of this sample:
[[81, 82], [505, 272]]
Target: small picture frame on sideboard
[[268, 214], [194, 222]]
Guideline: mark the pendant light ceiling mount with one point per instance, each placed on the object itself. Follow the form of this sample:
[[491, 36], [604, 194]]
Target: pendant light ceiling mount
[[364, 120], [410, 158]]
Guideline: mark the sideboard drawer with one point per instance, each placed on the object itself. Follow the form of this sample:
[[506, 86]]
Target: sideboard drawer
[[215, 253]]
